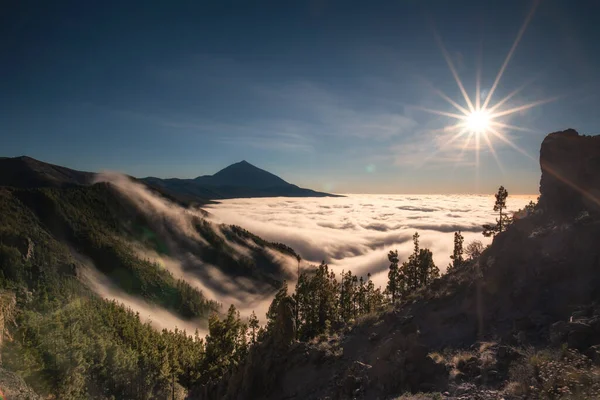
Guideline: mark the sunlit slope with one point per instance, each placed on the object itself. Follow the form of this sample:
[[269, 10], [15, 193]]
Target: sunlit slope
[[48, 234]]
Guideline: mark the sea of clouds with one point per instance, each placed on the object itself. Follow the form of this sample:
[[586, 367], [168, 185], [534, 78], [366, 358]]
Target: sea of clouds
[[357, 231], [350, 233]]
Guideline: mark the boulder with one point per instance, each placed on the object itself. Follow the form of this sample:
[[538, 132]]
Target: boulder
[[558, 332], [593, 353], [285, 324], [580, 335], [15, 388], [355, 379]]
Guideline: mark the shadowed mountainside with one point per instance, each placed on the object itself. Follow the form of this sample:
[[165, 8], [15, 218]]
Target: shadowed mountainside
[[507, 325], [27, 172]]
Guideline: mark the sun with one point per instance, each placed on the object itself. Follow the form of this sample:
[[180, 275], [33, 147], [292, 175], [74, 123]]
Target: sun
[[479, 121]]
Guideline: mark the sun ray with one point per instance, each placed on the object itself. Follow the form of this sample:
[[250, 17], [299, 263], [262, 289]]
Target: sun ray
[[453, 139], [445, 97], [506, 140], [464, 147], [453, 70], [478, 77], [477, 146], [452, 102], [449, 128], [444, 146], [510, 95], [442, 113], [513, 127], [493, 151], [510, 53], [523, 107]]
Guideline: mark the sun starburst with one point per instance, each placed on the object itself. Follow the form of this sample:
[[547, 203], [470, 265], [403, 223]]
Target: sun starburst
[[480, 120]]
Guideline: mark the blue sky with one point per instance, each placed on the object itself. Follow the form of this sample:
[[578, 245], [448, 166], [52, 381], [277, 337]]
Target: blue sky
[[326, 94]]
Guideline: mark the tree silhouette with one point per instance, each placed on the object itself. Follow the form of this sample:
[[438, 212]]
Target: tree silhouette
[[427, 270], [457, 254], [503, 219], [394, 285], [297, 308], [474, 249], [253, 325]]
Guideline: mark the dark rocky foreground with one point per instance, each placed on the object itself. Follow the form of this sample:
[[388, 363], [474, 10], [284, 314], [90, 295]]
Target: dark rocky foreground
[[521, 321]]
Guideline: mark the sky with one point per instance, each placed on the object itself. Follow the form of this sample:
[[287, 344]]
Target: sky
[[331, 95]]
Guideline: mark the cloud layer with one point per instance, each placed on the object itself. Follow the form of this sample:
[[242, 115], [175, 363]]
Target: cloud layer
[[357, 231]]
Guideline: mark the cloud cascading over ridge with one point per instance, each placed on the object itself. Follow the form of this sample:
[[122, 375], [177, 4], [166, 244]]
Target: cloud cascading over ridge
[[356, 232], [174, 225]]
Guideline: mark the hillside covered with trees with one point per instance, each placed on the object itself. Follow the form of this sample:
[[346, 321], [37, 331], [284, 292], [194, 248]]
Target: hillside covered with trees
[[66, 340]]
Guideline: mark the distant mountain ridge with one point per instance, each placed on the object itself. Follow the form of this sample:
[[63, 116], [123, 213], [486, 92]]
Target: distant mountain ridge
[[239, 180]]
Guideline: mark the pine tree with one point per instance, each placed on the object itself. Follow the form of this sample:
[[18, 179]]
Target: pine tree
[[427, 268], [347, 296], [457, 253], [394, 285], [254, 325], [297, 308], [411, 268], [503, 219]]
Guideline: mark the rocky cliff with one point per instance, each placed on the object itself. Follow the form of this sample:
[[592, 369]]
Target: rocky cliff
[[570, 166]]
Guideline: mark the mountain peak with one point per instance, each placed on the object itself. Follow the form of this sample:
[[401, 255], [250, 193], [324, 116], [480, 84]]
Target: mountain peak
[[238, 180], [246, 175], [242, 163]]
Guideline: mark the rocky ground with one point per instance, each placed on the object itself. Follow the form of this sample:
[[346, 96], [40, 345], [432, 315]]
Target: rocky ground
[[14, 387]]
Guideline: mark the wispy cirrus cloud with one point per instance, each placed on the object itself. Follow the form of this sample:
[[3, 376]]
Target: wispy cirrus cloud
[[296, 104]]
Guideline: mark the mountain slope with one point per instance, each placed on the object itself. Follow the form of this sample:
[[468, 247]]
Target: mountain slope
[[238, 180], [26, 172], [67, 252], [520, 321]]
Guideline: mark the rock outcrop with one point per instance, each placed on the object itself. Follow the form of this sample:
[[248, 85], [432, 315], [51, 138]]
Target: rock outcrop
[[13, 387], [7, 310], [570, 166], [285, 324]]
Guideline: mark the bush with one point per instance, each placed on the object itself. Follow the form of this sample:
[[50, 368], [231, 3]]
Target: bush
[[554, 374]]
